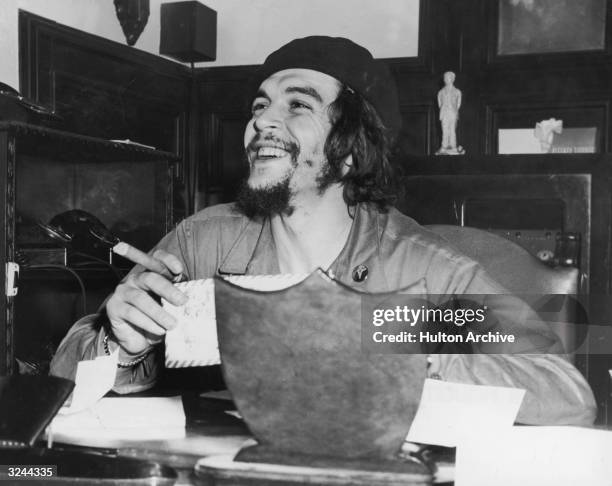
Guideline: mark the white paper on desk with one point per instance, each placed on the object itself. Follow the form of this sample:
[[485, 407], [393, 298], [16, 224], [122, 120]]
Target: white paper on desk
[[546, 456], [125, 418], [94, 378], [193, 342], [449, 412]]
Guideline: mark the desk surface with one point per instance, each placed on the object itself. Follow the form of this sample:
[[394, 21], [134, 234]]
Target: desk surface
[[210, 431]]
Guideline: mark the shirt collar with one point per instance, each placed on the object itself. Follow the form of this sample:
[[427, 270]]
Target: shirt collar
[[254, 252]]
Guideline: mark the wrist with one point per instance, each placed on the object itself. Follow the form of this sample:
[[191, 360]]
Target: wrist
[[126, 359]]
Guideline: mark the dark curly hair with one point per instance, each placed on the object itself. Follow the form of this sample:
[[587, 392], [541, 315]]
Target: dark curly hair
[[357, 130]]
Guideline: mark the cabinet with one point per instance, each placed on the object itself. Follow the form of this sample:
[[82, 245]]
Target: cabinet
[[45, 172], [530, 199]]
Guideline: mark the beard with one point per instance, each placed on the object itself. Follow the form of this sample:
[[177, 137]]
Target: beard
[[275, 199], [266, 201]]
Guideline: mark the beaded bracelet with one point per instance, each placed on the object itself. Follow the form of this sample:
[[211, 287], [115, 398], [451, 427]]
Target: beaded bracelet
[[123, 364]]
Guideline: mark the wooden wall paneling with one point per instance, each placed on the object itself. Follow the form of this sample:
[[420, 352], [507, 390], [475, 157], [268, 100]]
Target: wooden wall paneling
[[106, 110], [225, 164], [224, 112], [598, 167], [597, 366], [192, 146], [53, 51], [7, 248], [225, 88], [418, 128], [105, 89], [490, 79]]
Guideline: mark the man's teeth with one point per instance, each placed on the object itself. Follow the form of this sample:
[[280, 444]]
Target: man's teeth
[[270, 152]]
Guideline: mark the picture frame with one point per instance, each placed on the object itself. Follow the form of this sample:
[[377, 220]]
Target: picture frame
[[550, 26], [520, 41]]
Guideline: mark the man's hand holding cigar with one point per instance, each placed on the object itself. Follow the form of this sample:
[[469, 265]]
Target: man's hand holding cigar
[[136, 316]]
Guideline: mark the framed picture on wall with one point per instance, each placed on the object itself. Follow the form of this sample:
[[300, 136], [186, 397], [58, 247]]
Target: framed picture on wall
[[550, 26]]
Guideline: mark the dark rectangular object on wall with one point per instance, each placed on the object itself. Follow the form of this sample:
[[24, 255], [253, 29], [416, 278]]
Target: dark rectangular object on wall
[[188, 31]]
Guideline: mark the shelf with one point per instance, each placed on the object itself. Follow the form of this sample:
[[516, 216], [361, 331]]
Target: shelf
[[74, 147], [57, 273]]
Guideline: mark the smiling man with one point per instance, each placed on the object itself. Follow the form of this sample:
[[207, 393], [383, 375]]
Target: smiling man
[[318, 195], [291, 180]]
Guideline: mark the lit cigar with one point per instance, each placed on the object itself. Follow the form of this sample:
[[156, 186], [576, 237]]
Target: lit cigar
[[141, 258]]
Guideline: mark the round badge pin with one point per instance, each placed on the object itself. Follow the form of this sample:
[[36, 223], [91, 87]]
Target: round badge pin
[[360, 273]]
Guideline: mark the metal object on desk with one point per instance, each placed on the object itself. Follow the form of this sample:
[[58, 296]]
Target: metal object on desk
[[222, 470], [294, 364]]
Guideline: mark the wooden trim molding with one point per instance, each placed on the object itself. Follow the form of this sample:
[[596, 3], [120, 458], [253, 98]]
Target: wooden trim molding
[[107, 89], [36, 31]]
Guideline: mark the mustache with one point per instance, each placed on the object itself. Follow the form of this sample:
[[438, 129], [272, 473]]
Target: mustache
[[289, 146]]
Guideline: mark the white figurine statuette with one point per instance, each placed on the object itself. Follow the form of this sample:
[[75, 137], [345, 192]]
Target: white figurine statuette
[[449, 102], [545, 132]]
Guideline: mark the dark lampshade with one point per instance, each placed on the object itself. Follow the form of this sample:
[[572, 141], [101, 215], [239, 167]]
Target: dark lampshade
[[188, 31]]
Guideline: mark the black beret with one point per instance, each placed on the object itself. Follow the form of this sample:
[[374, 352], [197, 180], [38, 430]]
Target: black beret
[[346, 61]]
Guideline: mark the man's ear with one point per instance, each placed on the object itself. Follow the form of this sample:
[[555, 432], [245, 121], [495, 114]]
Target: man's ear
[[347, 164]]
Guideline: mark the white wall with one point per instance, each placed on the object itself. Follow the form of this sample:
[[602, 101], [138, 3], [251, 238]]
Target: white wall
[[95, 16], [247, 30]]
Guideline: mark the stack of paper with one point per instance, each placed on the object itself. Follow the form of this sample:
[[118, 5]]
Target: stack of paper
[[124, 418]]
